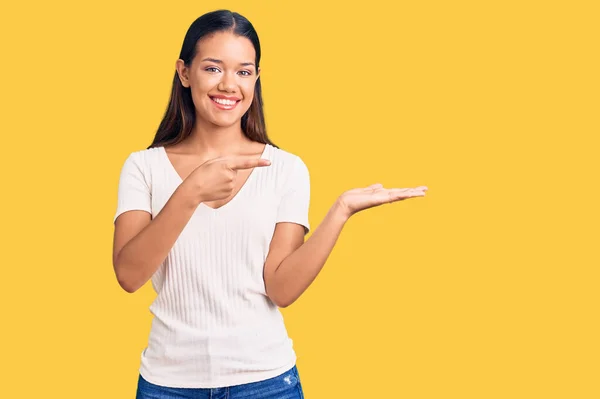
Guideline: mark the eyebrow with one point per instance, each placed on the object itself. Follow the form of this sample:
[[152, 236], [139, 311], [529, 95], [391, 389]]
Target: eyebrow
[[216, 61]]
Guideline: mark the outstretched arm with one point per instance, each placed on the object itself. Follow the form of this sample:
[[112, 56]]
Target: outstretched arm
[[292, 264]]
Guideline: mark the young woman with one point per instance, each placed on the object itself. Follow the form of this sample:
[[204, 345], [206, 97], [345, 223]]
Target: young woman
[[215, 215]]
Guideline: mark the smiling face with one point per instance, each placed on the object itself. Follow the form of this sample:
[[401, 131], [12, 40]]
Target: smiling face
[[221, 78]]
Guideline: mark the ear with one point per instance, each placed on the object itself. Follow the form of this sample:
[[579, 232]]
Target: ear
[[182, 71], [258, 73]]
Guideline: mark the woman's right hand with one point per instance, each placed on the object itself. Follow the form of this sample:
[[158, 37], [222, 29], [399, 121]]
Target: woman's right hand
[[215, 179]]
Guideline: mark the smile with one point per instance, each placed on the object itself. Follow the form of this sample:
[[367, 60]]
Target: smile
[[222, 103]]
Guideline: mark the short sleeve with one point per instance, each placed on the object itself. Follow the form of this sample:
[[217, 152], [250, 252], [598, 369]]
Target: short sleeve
[[295, 200], [134, 191]]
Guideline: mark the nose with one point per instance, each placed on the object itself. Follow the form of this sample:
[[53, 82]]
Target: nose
[[227, 83]]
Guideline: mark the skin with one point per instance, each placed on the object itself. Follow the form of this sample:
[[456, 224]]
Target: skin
[[214, 162], [223, 65]]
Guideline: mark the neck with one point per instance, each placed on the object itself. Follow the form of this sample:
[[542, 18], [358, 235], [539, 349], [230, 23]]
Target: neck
[[216, 141]]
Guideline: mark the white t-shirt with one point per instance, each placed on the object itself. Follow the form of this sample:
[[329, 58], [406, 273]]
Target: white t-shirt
[[213, 324]]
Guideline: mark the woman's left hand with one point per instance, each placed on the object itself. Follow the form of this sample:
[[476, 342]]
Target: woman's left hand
[[358, 199]]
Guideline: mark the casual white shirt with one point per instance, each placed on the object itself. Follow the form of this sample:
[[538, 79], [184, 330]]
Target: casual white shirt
[[213, 324]]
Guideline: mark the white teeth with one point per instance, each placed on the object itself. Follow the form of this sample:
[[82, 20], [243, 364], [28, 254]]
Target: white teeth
[[223, 101]]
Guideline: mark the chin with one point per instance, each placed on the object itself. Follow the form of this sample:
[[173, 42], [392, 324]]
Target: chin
[[226, 122]]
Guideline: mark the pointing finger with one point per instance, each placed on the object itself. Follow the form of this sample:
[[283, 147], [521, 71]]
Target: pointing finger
[[247, 162]]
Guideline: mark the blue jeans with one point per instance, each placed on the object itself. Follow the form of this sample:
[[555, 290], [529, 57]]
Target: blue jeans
[[283, 386]]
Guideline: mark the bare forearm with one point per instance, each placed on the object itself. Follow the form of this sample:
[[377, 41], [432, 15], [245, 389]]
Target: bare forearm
[[297, 271], [139, 259]]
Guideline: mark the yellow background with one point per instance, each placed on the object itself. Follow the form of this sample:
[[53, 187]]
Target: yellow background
[[486, 288]]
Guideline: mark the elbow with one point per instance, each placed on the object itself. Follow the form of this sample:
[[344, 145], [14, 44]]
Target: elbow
[[127, 287], [125, 282], [278, 302], [283, 302], [278, 297]]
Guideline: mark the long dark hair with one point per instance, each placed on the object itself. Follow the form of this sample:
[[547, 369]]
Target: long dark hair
[[180, 116]]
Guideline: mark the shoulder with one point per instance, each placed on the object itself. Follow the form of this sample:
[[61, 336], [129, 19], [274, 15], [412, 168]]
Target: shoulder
[[290, 169], [285, 160], [143, 159], [140, 165]]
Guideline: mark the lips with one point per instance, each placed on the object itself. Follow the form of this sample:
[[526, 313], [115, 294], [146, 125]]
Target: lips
[[226, 103]]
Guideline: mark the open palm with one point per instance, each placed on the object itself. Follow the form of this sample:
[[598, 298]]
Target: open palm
[[358, 199]]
